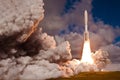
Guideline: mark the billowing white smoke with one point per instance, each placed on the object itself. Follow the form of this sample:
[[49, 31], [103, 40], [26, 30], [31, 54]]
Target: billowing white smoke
[[76, 41], [17, 15], [101, 58], [51, 62], [49, 58], [59, 53]]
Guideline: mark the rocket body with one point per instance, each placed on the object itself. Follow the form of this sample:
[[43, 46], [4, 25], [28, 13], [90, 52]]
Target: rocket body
[[86, 36], [86, 33]]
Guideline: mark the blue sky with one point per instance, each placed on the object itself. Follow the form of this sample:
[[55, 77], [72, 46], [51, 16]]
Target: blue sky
[[107, 10], [66, 16], [70, 6]]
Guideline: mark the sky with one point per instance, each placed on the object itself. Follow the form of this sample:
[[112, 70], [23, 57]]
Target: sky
[[107, 10], [66, 18]]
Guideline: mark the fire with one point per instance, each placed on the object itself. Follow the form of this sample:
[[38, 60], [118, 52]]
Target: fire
[[86, 54]]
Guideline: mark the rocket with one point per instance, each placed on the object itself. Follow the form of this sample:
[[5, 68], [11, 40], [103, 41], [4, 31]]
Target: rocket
[[86, 33]]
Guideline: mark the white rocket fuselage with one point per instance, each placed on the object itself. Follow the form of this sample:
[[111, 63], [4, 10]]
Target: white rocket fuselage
[[86, 33]]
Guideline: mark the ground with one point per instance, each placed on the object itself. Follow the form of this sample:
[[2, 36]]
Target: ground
[[93, 76]]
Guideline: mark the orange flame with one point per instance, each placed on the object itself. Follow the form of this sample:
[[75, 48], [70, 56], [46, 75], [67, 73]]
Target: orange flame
[[86, 54]]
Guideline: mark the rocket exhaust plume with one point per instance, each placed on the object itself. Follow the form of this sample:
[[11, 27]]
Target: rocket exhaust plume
[[86, 54]]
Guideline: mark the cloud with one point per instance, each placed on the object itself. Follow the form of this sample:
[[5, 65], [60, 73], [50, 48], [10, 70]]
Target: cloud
[[98, 41], [76, 42], [114, 52], [43, 57], [101, 35], [112, 67], [17, 16], [27, 67], [54, 21]]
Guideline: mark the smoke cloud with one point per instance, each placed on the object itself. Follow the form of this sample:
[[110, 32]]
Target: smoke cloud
[[19, 15], [101, 35], [43, 56], [49, 64]]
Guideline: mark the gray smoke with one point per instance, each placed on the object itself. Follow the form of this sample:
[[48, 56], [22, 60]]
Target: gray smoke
[[41, 56], [18, 20], [101, 34], [32, 68], [51, 61], [19, 15]]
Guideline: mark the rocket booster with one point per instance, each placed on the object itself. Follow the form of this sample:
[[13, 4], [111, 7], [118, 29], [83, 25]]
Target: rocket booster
[[86, 33]]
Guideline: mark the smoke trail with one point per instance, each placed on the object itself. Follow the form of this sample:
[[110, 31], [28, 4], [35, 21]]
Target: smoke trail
[[30, 68]]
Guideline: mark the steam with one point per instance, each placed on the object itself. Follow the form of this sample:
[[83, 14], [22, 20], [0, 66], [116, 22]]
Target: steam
[[101, 35], [52, 61], [41, 56], [19, 15]]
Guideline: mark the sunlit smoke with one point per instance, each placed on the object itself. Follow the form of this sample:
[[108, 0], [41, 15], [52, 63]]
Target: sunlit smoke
[[86, 54], [40, 56]]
